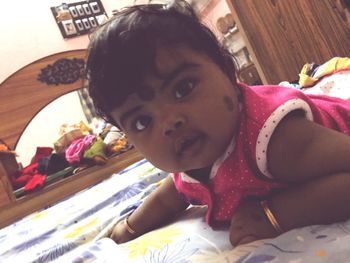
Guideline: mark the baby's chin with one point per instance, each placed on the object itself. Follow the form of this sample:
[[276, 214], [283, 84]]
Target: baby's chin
[[178, 166], [180, 169]]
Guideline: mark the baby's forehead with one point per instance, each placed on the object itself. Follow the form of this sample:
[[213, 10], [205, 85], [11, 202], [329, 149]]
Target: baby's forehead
[[146, 93], [169, 64], [167, 58]]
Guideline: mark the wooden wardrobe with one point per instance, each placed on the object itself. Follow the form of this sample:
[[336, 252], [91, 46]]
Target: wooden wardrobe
[[283, 35]]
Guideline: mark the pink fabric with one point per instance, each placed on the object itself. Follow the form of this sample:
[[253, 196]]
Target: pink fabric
[[77, 148], [239, 174]]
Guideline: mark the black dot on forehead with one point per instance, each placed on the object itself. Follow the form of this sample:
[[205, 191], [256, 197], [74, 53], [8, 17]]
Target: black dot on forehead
[[146, 93], [228, 102]]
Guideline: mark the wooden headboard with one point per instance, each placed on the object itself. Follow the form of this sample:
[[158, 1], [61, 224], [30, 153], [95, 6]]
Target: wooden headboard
[[22, 96], [27, 91]]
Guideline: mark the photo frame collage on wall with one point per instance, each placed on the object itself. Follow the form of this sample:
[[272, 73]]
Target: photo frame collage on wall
[[75, 19]]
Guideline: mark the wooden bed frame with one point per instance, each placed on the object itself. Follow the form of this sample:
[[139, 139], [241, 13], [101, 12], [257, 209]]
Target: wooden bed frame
[[22, 96]]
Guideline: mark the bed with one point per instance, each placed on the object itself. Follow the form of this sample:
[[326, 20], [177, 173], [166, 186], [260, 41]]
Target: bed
[[70, 220]]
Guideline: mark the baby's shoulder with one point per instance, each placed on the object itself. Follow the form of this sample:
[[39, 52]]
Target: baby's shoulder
[[259, 102]]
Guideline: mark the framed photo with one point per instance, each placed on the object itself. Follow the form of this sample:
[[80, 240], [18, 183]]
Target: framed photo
[[87, 9], [80, 10], [86, 23], [101, 19], [79, 18], [69, 27], [79, 25], [73, 11], [93, 21], [95, 7]]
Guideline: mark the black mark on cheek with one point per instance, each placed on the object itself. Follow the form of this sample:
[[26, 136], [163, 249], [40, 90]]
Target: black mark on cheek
[[146, 94], [228, 102]]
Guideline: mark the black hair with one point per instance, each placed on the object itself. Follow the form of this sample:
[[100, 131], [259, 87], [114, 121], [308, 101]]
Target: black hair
[[122, 51]]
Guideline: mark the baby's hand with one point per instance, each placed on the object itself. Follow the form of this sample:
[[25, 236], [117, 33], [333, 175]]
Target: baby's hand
[[250, 223], [120, 234]]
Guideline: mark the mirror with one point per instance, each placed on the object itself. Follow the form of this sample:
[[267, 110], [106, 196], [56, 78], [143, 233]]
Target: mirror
[[34, 104], [43, 130]]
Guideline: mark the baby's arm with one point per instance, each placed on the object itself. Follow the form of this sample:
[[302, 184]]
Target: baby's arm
[[317, 161], [321, 201], [160, 206], [301, 150]]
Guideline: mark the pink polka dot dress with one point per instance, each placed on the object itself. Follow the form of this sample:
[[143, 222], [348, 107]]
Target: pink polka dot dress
[[243, 169]]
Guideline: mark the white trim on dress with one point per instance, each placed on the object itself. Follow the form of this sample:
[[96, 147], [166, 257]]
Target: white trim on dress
[[269, 127]]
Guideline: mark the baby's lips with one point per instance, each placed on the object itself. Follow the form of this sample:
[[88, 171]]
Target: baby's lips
[[179, 145]]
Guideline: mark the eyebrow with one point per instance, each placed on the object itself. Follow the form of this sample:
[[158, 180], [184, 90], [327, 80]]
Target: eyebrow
[[169, 77], [128, 113]]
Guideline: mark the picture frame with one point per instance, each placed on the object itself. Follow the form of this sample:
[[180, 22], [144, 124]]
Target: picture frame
[[69, 27], [78, 18]]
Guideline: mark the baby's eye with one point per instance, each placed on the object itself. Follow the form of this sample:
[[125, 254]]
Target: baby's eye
[[142, 122], [184, 88]]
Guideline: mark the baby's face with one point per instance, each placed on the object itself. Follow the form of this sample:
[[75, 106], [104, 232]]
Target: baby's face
[[185, 115]]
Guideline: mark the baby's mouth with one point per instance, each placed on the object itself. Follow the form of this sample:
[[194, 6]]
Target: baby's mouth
[[186, 144]]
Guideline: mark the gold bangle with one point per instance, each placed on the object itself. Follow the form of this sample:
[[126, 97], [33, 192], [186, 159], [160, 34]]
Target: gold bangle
[[271, 217], [128, 227]]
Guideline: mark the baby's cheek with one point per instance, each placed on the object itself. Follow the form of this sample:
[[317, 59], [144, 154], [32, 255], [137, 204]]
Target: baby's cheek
[[228, 103]]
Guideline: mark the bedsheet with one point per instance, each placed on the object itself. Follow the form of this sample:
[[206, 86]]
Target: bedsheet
[[190, 240], [52, 232], [187, 239], [76, 230]]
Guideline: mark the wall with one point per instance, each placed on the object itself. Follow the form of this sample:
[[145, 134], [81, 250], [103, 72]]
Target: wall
[[29, 32]]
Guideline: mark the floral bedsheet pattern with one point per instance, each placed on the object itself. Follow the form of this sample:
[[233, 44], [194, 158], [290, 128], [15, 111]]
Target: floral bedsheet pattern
[[189, 239], [319, 243], [76, 230], [49, 234]]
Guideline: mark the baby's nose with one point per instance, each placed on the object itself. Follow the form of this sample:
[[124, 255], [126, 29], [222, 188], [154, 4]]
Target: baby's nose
[[173, 126]]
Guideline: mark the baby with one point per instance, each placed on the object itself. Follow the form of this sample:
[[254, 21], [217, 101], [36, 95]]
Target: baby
[[264, 159]]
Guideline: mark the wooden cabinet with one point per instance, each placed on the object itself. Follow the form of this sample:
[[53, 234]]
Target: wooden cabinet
[[283, 35]]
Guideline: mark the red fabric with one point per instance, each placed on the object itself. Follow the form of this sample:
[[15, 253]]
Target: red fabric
[[27, 174], [41, 152], [21, 177], [21, 180], [35, 182], [30, 169]]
